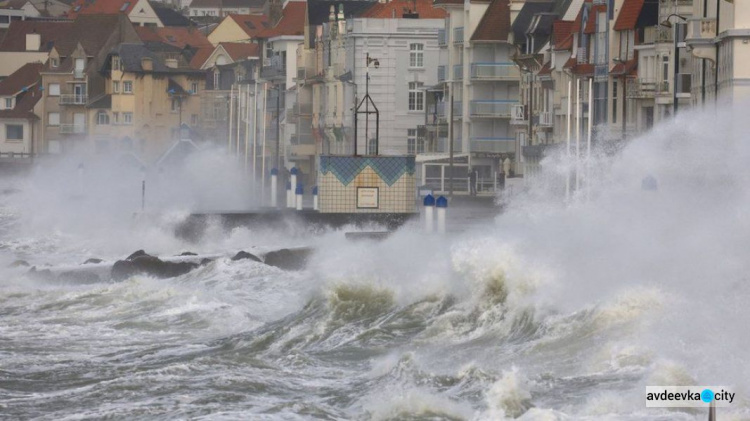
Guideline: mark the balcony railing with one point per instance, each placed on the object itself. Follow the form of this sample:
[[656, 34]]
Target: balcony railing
[[657, 34], [73, 99], [641, 88], [442, 38], [493, 144], [701, 31], [458, 35], [72, 128], [441, 73], [494, 71], [492, 108], [458, 72]]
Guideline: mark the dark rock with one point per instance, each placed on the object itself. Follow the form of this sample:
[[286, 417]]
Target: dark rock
[[79, 277], [150, 265], [288, 259], [43, 275], [19, 263], [205, 261], [188, 253], [136, 254], [241, 255], [93, 260]]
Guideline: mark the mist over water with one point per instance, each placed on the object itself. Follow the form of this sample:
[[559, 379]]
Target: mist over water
[[555, 311]]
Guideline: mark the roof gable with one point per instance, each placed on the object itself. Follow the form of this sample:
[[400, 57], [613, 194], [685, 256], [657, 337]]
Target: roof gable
[[495, 24], [292, 22], [26, 76], [252, 25]]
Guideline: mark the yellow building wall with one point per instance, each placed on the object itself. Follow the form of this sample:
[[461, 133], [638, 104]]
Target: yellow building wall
[[227, 31]]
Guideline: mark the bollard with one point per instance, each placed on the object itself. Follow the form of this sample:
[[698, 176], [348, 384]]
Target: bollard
[[315, 197], [289, 194], [299, 192], [442, 205], [429, 213], [274, 185], [293, 179]]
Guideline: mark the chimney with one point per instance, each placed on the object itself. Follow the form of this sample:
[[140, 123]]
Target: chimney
[[33, 41], [341, 11], [332, 14], [171, 63], [147, 64]]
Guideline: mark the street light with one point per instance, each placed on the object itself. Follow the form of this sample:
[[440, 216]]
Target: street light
[[367, 100], [668, 24]]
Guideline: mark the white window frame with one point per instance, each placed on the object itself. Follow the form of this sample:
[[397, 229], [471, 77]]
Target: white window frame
[[53, 89], [53, 121], [127, 119], [14, 139], [416, 56], [102, 118], [416, 96], [115, 86], [194, 87], [54, 62], [125, 85], [115, 118], [411, 141], [9, 103], [116, 64]]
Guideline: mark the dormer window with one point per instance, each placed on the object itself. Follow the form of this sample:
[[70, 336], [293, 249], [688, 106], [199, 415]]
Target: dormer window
[[54, 62], [116, 63], [8, 103]]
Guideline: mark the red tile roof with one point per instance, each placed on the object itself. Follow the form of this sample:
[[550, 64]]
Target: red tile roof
[[292, 21], [627, 68], [50, 32], [562, 35], [495, 24], [579, 19], [200, 57], [628, 15], [24, 77], [100, 7], [251, 24], [241, 50], [178, 36], [424, 8], [583, 69], [453, 2], [546, 69]]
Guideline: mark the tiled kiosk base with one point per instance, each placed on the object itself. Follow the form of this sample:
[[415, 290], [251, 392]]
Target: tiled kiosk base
[[367, 184]]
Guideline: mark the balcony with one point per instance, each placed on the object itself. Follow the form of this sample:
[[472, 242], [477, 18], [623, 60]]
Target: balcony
[[641, 88], [79, 73], [700, 37], [72, 128], [458, 35], [494, 71], [73, 99], [492, 108], [458, 72], [442, 37], [493, 144], [518, 115], [441, 73], [273, 68]]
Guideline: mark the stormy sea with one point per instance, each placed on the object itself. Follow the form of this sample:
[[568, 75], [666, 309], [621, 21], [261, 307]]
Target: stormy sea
[[553, 309]]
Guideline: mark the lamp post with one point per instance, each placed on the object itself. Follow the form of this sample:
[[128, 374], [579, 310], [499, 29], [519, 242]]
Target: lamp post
[[367, 101], [668, 24]]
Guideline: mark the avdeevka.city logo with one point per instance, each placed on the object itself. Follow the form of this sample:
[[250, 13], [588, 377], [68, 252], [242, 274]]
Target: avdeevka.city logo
[[688, 396]]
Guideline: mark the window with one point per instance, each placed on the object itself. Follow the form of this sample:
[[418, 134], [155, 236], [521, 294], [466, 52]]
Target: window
[[102, 118], [127, 118], [665, 68], [194, 88], [416, 55], [411, 141], [53, 119], [115, 118], [216, 79], [116, 63], [372, 147], [416, 96], [54, 89], [194, 119], [614, 101], [54, 61], [13, 132], [127, 87], [8, 103], [175, 105], [115, 86]]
